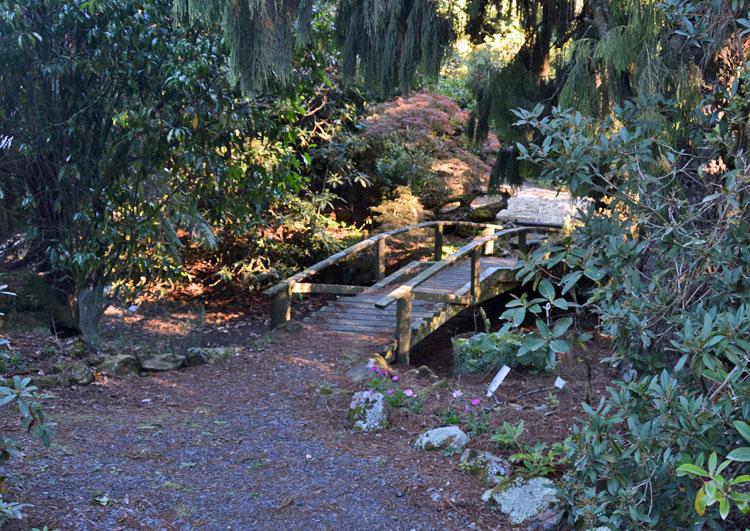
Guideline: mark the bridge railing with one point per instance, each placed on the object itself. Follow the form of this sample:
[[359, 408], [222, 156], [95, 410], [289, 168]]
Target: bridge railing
[[283, 291], [405, 294]]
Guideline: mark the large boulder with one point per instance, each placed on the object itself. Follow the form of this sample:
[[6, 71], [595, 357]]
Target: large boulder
[[445, 438], [490, 469], [162, 362], [120, 365], [367, 411], [526, 501]]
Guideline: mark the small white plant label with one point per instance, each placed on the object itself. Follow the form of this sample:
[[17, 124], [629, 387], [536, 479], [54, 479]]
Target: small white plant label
[[560, 383], [497, 380]]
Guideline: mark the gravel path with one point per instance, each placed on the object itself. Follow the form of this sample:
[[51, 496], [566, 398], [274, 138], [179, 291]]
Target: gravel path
[[237, 445]]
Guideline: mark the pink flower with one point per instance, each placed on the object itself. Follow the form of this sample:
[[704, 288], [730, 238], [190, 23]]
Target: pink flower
[[389, 391], [396, 378], [457, 394], [409, 393], [475, 402]]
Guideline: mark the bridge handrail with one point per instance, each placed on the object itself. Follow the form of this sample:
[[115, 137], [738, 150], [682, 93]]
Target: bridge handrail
[[364, 244], [406, 288]]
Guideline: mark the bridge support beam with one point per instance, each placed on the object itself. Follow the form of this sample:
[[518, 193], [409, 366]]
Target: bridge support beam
[[380, 251], [403, 326], [281, 311], [476, 271], [489, 247], [522, 245], [438, 254]]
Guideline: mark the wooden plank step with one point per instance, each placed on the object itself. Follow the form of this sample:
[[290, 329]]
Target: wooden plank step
[[356, 304], [366, 314], [338, 327], [409, 268]]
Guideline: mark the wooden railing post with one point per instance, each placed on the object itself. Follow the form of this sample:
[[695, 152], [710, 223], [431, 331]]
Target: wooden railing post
[[403, 326], [281, 311], [438, 254], [489, 247], [522, 242], [380, 251], [476, 269]]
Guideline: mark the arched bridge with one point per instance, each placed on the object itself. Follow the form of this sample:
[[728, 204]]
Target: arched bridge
[[416, 299]]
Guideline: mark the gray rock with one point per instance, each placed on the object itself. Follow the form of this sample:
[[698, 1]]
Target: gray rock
[[120, 365], [447, 437], [74, 372], [162, 362], [425, 373], [367, 411], [79, 374], [201, 356], [548, 520], [489, 468], [525, 500]]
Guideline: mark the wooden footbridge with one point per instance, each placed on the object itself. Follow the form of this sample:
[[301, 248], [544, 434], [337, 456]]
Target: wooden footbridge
[[419, 297]]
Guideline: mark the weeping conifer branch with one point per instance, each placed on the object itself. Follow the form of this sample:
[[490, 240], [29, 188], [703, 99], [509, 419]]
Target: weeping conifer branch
[[260, 35], [387, 44]]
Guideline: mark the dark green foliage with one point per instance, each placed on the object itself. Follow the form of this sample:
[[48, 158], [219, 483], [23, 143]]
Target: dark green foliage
[[122, 132], [34, 421], [661, 261], [628, 453], [260, 35], [389, 43], [487, 352]]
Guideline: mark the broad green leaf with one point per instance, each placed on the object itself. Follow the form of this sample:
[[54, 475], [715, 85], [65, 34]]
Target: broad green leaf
[[690, 469], [680, 363], [724, 508], [712, 463], [562, 326], [743, 428], [569, 280], [740, 454], [546, 289], [559, 346]]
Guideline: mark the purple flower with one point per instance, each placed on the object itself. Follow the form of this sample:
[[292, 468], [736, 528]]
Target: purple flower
[[467, 409], [396, 378], [409, 392], [475, 402], [389, 391]]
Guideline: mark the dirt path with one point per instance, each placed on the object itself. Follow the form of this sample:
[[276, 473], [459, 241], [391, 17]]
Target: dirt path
[[238, 445]]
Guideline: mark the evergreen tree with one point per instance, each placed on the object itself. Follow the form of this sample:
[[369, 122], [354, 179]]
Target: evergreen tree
[[387, 44]]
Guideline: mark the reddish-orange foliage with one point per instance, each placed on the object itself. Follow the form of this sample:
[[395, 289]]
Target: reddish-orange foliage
[[434, 124]]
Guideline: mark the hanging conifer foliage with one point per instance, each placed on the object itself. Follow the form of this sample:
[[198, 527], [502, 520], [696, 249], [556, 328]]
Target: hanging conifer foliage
[[386, 43], [389, 43], [260, 34]]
